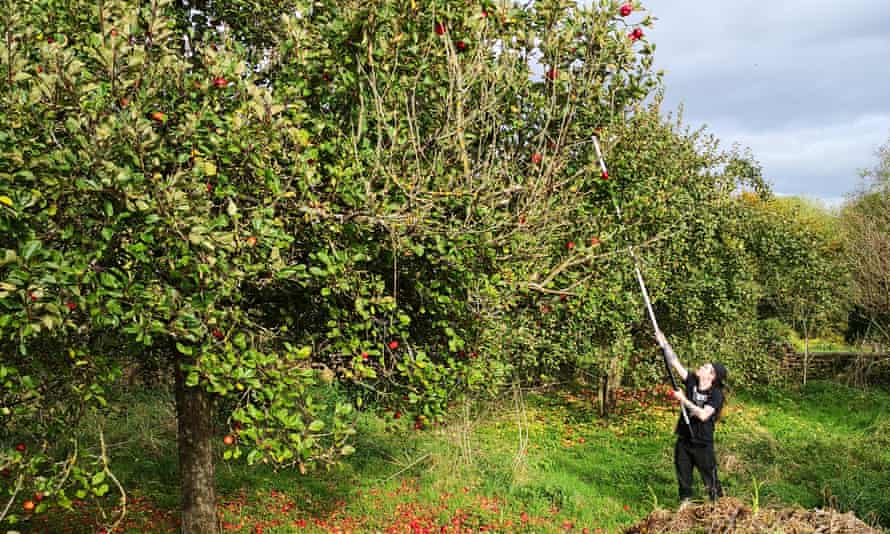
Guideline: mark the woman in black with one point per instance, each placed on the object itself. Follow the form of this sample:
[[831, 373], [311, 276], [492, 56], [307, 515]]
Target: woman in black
[[703, 400]]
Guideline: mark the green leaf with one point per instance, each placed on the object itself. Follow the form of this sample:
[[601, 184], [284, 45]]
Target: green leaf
[[192, 379], [108, 280], [29, 249], [316, 426]]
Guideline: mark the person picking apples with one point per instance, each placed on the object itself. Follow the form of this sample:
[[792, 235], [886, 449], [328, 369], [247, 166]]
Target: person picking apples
[[703, 399]]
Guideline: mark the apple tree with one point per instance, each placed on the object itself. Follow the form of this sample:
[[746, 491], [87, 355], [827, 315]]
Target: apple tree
[[345, 199], [142, 189]]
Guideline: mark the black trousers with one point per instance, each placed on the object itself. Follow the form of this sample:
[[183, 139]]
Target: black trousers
[[688, 455]]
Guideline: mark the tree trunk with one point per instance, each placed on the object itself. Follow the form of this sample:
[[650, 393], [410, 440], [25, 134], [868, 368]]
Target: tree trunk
[[194, 407], [614, 377], [604, 395], [806, 350]]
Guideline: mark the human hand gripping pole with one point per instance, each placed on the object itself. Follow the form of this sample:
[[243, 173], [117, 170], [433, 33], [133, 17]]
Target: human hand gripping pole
[[639, 274]]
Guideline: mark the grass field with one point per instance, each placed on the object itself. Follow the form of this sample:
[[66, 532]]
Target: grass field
[[539, 463], [828, 344]]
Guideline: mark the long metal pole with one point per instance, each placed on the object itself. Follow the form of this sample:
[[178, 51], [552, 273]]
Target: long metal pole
[[667, 365]]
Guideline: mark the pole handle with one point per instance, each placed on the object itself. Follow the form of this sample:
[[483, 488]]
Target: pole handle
[[645, 292]]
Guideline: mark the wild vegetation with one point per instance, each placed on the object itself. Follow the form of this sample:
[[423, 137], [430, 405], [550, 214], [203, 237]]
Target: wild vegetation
[[545, 464]]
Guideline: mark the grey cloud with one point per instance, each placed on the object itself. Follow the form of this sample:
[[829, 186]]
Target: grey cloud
[[816, 160], [804, 83]]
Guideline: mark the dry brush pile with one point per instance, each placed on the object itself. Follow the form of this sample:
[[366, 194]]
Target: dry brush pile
[[729, 515]]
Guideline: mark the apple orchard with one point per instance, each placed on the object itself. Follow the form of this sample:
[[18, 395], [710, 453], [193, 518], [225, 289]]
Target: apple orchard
[[293, 211]]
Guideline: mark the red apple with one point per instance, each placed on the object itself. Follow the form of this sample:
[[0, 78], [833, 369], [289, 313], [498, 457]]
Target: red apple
[[114, 32], [38, 496], [440, 28], [604, 175], [364, 355], [28, 506], [552, 74], [393, 345], [626, 9], [217, 333], [220, 82], [636, 34], [626, 508], [32, 296], [21, 447], [594, 241], [229, 439], [209, 187], [570, 245], [537, 158], [71, 305], [396, 414], [39, 69], [251, 241], [158, 116], [5, 472], [461, 46]]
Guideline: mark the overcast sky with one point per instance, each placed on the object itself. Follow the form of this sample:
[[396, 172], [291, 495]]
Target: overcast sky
[[804, 83]]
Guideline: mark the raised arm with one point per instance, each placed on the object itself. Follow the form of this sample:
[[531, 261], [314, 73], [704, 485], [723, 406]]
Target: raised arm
[[670, 354]]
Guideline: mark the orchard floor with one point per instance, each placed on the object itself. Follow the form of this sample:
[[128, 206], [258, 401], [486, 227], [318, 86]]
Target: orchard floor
[[545, 464]]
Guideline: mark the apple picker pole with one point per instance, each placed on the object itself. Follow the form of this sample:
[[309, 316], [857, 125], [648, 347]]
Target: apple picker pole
[[667, 365]]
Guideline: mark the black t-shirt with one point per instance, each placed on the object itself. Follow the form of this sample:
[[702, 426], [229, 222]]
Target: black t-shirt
[[703, 430]]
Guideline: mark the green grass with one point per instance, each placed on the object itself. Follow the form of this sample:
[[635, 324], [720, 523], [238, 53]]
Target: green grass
[[825, 444], [827, 344]]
